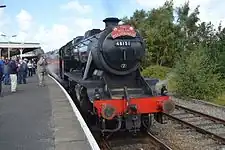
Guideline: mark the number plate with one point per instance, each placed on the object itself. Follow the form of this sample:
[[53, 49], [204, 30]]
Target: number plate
[[122, 43]]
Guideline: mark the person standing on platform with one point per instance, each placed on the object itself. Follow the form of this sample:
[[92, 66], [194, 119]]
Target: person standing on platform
[[13, 74], [34, 66], [22, 71], [26, 69], [6, 73], [30, 68], [1, 74], [41, 70]]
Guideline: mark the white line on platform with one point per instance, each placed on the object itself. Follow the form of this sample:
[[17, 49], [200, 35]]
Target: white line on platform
[[84, 126]]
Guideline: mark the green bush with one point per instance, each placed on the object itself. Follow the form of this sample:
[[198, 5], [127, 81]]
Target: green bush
[[195, 77], [158, 72]]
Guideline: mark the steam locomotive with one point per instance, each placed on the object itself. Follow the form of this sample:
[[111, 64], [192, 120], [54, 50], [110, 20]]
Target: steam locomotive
[[101, 71]]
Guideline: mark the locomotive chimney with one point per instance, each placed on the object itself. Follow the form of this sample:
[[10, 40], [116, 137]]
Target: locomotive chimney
[[111, 22]]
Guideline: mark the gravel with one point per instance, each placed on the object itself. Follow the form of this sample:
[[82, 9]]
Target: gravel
[[218, 112], [134, 143], [135, 147], [182, 138]]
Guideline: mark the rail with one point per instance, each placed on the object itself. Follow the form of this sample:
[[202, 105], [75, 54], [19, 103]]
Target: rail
[[186, 116]]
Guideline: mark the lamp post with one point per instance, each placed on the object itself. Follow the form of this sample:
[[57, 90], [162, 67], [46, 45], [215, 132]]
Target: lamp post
[[21, 51], [2, 6], [8, 42]]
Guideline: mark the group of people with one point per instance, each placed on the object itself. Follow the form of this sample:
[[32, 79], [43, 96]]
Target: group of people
[[15, 71], [24, 67]]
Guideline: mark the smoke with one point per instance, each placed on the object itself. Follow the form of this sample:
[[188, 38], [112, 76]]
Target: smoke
[[52, 68], [110, 7]]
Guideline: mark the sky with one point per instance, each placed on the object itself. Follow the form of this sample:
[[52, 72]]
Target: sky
[[53, 23]]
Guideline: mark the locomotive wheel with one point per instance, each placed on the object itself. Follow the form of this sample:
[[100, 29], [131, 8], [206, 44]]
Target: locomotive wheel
[[84, 105], [70, 89]]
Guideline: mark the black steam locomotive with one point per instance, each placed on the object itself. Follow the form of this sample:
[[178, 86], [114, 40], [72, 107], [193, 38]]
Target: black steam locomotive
[[101, 72]]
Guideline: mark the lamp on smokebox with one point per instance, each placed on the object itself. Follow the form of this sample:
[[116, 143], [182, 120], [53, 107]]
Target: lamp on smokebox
[[164, 90], [97, 94]]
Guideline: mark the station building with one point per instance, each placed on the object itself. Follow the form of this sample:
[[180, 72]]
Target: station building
[[9, 49]]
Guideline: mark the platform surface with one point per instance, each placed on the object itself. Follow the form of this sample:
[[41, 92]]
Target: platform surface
[[39, 118]]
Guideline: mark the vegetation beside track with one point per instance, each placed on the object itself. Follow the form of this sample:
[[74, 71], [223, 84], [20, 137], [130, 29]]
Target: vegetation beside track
[[192, 52]]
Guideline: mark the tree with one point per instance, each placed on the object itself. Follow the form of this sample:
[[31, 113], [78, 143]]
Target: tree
[[165, 40], [195, 50]]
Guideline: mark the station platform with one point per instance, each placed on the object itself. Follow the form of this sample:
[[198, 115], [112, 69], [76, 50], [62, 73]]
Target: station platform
[[42, 118]]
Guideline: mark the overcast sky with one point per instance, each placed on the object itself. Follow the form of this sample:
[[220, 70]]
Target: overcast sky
[[55, 22]]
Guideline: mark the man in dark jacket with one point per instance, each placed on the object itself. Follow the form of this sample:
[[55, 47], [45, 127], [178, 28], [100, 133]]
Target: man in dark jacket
[[6, 72], [1, 74], [13, 74], [22, 71]]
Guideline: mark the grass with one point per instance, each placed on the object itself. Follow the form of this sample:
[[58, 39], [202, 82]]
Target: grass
[[172, 87], [220, 100]]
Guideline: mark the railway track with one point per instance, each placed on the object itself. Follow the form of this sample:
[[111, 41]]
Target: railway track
[[208, 125], [145, 141]]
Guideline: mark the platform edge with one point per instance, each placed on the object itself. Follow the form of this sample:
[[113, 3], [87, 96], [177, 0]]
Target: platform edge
[[88, 134]]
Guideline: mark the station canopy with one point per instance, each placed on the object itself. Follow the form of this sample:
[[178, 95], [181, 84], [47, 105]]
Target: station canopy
[[15, 48]]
